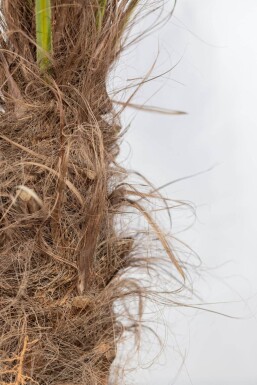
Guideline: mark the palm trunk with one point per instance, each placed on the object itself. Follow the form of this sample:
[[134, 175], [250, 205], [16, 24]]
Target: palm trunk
[[61, 257]]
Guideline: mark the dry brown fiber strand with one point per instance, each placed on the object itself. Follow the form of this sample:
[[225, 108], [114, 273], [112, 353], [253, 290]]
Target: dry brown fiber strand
[[62, 258]]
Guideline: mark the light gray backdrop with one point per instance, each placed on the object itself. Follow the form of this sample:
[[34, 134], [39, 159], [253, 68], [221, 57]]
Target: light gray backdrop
[[214, 44]]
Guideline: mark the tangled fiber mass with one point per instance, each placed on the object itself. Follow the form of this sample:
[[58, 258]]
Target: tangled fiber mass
[[62, 258]]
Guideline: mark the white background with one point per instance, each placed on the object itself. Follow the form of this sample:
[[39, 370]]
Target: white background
[[213, 44]]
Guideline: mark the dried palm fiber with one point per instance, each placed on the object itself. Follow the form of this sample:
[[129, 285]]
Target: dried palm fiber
[[62, 259]]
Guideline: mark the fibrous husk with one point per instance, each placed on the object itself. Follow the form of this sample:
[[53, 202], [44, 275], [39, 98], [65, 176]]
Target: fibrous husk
[[62, 257]]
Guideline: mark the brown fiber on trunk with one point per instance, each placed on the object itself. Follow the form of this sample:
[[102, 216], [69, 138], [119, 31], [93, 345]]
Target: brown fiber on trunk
[[62, 257]]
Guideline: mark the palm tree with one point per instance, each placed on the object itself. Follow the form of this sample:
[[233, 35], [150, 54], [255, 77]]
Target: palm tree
[[63, 260]]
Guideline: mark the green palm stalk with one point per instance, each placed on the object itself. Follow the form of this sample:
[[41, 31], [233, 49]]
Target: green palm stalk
[[100, 14], [43, 32]]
